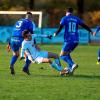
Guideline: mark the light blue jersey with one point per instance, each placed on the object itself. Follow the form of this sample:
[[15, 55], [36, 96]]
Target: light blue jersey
[[71, 28], [29, 48]]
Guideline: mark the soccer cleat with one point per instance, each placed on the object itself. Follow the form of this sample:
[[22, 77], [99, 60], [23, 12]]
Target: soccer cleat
[[98, 63], [26, 71], [73, 68], [12, 70], [64, 72]]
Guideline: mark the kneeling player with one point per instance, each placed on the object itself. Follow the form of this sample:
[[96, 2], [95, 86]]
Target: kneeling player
[[34, 54]]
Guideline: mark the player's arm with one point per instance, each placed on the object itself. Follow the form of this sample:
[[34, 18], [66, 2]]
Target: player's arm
[[41, 35], [32, 28], [97, 30], [22, 51], [37, 47], [87, 28], [59, 29], [8, 47]]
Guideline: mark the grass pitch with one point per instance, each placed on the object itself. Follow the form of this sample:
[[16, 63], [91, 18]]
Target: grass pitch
[[47, 84]]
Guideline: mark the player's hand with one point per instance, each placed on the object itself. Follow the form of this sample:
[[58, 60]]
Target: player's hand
[[50, 36], [21, 58], [54, 34], [94, 33], [8, 47]]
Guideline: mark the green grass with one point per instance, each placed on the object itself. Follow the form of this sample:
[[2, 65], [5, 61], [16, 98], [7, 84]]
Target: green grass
[[47, 84]]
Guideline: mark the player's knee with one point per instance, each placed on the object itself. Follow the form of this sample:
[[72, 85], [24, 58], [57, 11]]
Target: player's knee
[[16, 54], [64, 53], [48, 60], [56, 56]]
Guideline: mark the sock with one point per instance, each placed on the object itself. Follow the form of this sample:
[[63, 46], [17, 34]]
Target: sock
[[27, 63], [56, 66], [13, 60], [57, 61], [99, 54], [67, 59]]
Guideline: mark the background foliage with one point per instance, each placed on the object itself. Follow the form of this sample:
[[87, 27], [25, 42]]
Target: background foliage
[[53, 10]]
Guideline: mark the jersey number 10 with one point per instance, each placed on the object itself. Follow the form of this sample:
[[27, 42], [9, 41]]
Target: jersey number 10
[[72, 27]]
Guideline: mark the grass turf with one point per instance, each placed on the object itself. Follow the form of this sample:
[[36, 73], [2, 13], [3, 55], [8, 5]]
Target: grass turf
[[47, 84]]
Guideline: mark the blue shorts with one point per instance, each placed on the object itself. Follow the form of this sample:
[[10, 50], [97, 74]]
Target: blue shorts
[[15, 43], [69, 46]]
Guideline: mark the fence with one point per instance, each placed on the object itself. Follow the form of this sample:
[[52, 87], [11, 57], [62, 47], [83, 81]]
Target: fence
[[84, 36]]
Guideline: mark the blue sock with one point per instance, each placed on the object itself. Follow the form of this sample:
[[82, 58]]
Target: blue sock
[[57, 61], [67, 59], [27, 63], [56, 66], [99, 54], [13, 60]]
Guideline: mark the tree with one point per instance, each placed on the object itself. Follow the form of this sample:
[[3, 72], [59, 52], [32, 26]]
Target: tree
[[80, 7], [31, 4]]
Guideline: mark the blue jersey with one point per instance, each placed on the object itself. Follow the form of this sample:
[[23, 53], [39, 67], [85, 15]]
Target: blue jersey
[[98, 28], [71, 27], [21, 25]]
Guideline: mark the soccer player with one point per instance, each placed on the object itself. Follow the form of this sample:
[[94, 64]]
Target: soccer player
[[16, 39], [94, 33], [71, 38], [36, 55]]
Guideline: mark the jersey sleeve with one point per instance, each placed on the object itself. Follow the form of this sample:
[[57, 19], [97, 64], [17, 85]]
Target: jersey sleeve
[[80, 21], [39, 35], [32, 27], [24, 47], [62, 22], [98, 29]]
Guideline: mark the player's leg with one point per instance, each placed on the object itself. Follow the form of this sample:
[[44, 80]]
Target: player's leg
[[15, 50], [98, 60], [65, 55], [44, 58], [56, 60], [26, 66]]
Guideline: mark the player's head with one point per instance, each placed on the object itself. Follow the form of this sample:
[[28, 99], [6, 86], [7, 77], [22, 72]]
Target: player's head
[[69, 11], [27, 35], [29, 15]]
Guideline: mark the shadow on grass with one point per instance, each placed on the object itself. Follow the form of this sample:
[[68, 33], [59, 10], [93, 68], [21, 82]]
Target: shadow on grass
[[86, 76], [80, 76]]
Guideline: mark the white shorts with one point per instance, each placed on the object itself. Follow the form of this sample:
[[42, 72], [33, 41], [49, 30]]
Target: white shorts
[[42, 54]]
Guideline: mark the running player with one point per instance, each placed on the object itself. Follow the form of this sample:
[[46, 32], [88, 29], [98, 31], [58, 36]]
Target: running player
[[16, 39], [71, 37], [97, 30]]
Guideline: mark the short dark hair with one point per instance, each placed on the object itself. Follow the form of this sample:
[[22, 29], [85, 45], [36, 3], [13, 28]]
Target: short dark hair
[[24, 33], [70, 9], [28, 12]]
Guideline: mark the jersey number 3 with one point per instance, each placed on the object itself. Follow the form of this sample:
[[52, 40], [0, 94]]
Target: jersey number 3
[[19, 24]]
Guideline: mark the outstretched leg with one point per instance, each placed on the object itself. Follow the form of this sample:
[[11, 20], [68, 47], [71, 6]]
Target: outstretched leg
[[56, 61]]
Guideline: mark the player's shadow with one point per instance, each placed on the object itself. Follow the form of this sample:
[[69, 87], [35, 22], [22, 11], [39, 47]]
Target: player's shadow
[[86, 76], [80, 76]]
